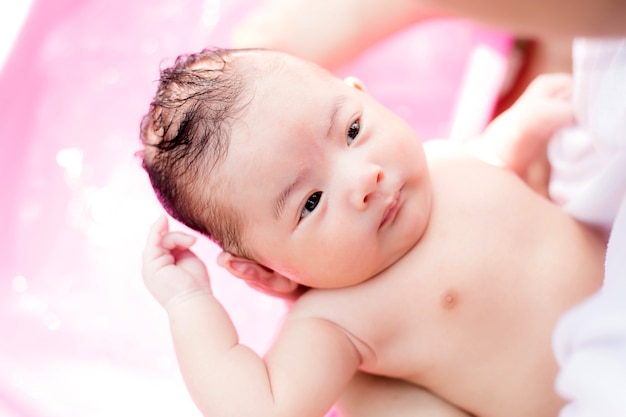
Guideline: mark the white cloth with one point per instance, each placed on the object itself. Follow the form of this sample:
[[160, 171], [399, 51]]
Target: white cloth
[[589, 180]]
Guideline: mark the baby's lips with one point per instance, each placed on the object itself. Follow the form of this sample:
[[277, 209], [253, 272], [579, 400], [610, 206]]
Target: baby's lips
[[391, 210]]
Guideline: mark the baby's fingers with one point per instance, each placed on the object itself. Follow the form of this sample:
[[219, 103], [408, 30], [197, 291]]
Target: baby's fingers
[[159, 236], [163, 247], [153, 249], [177, 240], [557, 85], [158, 229]]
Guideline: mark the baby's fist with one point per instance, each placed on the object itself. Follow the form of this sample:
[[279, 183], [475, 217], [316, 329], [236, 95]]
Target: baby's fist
[[171, 271]]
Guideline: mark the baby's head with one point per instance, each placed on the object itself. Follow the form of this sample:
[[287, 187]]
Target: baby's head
[[303, 179]]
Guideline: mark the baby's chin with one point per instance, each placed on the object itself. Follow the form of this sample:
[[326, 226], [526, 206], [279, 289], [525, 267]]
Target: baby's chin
[[396, 256], [390, 260], [417, 228]]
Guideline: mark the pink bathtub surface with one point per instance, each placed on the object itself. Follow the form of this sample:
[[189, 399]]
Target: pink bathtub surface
[[79, 335]]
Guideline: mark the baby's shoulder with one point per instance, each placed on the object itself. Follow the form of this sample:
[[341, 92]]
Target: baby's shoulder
[[327, 302], [339, 304], [465, 162], [359, 311], [441, 146], [442, 150]]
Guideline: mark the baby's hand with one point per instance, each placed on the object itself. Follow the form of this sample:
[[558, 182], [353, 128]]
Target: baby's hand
[[544, 108], [518, 138], [171, 271]]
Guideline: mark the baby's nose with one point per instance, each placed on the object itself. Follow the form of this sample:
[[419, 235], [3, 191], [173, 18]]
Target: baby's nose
[[364, 186]]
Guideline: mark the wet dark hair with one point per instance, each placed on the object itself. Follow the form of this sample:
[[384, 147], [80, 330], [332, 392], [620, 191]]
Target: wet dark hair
[[186, 134]]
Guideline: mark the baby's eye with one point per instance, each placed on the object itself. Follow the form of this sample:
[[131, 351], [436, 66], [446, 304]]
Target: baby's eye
[[311, 204], [354, 130]]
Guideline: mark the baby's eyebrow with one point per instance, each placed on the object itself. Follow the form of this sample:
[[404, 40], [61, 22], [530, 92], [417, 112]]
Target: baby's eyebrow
[[281, 200], [334, 111]]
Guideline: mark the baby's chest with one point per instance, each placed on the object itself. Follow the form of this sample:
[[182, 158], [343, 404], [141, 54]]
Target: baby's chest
[[398, 327], [414, 326]]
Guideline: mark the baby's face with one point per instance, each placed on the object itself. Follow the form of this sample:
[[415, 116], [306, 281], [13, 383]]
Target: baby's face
[[332, 187]]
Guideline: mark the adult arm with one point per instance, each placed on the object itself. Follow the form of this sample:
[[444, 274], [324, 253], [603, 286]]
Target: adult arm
[[327, 32], [541, 18], [332, 32], [376, 396]]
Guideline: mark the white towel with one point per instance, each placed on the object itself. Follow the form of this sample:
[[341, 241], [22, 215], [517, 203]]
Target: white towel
[[589, 180]]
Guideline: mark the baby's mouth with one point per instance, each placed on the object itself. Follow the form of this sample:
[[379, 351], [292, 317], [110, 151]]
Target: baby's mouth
[[391, 210]]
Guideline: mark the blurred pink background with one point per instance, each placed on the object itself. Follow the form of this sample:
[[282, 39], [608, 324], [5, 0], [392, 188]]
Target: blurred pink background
[[79, 335]]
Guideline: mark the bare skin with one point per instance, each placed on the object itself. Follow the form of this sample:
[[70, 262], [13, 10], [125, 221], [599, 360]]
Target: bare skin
[[373, 396], [453, 285], [488, 324], [488, 321], [331, 33]]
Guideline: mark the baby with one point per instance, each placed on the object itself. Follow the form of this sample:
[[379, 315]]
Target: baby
[[415, 261]]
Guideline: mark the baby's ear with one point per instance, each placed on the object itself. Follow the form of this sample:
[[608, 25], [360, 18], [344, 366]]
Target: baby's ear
[[258, 276], [354, 82]]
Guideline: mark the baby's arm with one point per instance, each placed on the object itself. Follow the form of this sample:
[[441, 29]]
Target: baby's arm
[[518, 138], [302, 375]]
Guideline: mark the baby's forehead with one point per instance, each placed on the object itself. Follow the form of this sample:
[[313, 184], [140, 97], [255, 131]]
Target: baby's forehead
[[263, 62]]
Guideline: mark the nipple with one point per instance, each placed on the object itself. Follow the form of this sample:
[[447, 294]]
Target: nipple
[[449, 299]]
